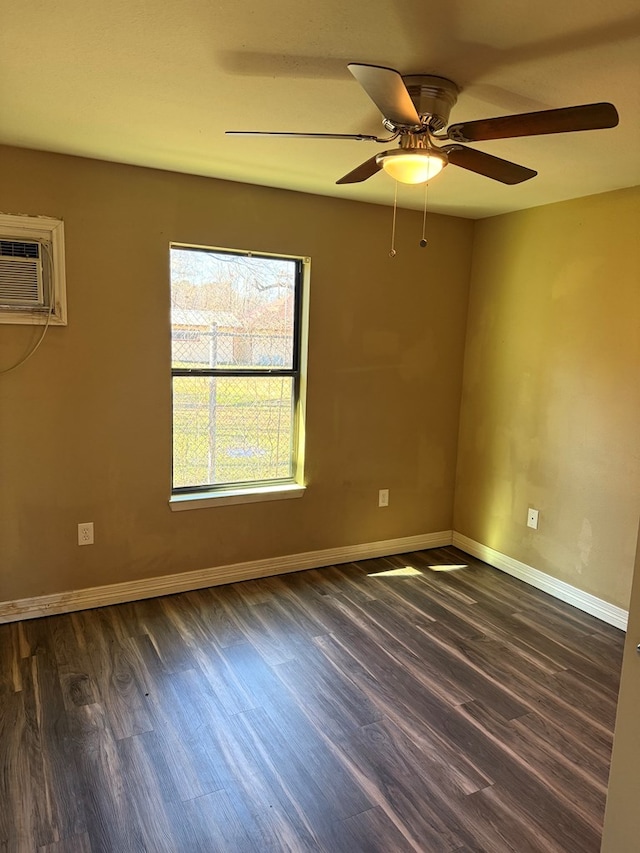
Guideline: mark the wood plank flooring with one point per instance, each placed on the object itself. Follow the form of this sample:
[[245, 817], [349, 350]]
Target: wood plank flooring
[[376, 706]]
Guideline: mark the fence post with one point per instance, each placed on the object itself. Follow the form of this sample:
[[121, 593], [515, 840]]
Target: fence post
[[213, 383]]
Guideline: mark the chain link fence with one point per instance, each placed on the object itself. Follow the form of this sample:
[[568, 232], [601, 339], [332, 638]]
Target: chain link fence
[[231, 429]]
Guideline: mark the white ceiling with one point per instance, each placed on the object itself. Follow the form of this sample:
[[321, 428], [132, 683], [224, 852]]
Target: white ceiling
[[157, 82]]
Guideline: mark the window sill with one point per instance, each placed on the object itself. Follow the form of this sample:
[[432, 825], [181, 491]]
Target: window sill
[[202, 500]]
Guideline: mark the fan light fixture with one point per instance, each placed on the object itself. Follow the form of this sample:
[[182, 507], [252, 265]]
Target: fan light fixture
[[412, 165]]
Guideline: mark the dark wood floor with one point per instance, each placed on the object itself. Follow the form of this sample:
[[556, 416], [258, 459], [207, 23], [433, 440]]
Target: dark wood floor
[[359, 708]]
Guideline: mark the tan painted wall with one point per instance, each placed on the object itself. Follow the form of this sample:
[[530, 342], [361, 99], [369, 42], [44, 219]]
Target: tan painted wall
[[551, 396], [85, 424], [622, 818]]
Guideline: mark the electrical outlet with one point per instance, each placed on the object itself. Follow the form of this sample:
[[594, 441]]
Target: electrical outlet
[[85, 533], [383, 497], [532, 518]]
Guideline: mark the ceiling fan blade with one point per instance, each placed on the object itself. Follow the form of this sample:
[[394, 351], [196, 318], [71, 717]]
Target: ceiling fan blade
[[565, 120], [361, 173], [386, 89], [360, 136], [486, 164]]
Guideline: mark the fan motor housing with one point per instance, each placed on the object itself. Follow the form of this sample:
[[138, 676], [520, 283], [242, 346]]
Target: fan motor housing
[[432, 96]]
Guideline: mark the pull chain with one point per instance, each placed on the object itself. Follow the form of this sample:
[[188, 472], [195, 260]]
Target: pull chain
[[423, 241], [392, 253]]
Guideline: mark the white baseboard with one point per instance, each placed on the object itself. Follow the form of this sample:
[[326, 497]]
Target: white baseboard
[[609, 613], [99, 596]]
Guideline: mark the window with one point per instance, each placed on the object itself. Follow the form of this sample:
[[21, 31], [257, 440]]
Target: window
[[236, 341]]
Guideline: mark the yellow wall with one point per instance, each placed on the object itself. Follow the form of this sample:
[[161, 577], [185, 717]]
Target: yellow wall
[[85, 424], [551, 396]]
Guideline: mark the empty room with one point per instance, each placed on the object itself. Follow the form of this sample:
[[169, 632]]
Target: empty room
[[319, 445]]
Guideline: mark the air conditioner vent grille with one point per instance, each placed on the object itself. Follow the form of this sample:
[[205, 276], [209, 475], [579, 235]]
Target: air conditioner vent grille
[[21, 274], [20, 282], [19, 249]]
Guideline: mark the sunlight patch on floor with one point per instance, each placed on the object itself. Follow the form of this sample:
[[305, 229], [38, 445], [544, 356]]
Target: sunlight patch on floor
[[448, 568], [411, 571], [404, 572]]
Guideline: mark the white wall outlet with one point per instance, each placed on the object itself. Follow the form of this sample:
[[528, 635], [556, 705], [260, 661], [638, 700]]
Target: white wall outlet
[[85, 533], [532, 518], [383, 497]]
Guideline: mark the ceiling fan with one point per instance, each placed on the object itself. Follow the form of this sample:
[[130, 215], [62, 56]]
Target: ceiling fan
[[415, 111]]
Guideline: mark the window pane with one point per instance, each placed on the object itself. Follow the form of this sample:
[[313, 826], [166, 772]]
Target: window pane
[[231, 310], [231, 429]]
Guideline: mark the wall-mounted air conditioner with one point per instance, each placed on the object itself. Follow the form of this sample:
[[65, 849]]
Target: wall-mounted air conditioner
[[32, 280]]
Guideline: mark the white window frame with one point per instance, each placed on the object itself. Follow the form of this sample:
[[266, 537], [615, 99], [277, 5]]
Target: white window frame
[[202, 497]]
